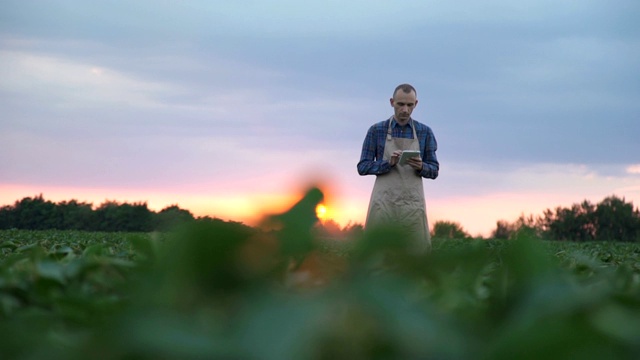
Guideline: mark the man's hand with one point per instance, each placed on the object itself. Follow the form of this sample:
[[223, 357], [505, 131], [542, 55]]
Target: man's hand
[[415, 163], [395, 157]]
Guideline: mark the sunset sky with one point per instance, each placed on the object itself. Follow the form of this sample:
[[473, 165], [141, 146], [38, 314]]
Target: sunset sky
[[232, 108]]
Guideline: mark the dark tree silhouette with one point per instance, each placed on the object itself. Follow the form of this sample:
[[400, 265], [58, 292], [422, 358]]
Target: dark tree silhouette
[[613, 219], [449, 230]]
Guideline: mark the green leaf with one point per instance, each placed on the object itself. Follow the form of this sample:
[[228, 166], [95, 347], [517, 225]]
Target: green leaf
[[95, 250], [8, 245], [61, 253], [51, 270]]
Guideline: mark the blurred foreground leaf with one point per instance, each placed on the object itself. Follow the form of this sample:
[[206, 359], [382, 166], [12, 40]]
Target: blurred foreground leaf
[[216, 289]]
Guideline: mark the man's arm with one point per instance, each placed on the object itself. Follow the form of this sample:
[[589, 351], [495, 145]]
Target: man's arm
[[369, 163], [430, 165]]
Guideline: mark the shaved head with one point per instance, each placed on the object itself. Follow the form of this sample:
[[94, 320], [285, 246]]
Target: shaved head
[[406, 88]]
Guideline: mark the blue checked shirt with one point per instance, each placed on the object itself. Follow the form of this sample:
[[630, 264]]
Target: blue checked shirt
[[371, 162]]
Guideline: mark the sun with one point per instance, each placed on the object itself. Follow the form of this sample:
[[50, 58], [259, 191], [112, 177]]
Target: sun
[[321, 211]]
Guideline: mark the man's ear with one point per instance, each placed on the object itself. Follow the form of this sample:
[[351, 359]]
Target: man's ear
[[416, 104], [391, 102]]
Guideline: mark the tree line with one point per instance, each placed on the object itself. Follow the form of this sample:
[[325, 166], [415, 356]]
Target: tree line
[[36, 213], [612, 219]]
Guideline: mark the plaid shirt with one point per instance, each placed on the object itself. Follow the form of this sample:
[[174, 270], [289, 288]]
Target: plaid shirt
[[371, 162]]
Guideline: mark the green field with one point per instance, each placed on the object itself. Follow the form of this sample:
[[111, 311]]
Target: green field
[[222, 290]]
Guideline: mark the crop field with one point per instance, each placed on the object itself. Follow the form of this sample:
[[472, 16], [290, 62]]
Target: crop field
[[224, 290]]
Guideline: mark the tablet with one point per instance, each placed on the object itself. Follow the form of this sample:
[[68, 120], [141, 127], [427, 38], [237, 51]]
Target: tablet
[[407, 154]]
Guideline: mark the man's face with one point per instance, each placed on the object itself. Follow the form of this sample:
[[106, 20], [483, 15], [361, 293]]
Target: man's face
[[403, 104]]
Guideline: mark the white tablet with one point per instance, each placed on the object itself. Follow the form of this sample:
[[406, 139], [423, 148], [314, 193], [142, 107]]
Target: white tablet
[[408, 154]]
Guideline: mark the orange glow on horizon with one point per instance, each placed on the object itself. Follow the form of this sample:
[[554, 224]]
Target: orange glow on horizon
[[477, 214], [321, 211], [249, 208]]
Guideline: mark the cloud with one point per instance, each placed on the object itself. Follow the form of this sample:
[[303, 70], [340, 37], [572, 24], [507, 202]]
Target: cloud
[[66, 83], [568, 180], [530, 98], [633, 169]]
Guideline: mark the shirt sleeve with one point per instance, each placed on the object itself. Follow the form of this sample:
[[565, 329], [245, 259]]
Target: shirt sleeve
[[369, 163], [430, 165]]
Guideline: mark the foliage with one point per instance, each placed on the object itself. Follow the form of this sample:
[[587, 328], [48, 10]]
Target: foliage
[[329, 229], [617, 220], [39, 214], [613, 219], [576, 223], [449, 230], [215, 289], [523, 225], [170, 217]]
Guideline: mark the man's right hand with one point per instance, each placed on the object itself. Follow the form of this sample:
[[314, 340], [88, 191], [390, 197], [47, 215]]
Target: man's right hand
[[395, 157]]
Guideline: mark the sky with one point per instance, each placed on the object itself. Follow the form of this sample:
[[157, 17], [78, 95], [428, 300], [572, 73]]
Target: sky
[[232, 109]]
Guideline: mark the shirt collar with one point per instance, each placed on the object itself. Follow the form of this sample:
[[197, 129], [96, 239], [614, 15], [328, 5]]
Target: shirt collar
[[394, 123]]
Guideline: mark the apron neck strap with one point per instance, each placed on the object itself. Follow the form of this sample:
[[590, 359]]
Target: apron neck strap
[[415, 136], [389, 129]]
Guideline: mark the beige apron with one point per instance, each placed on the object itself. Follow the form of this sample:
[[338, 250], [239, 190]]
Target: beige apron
[[398, 196]]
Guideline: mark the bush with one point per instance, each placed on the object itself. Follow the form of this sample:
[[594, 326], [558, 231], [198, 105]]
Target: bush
[[449, 230]]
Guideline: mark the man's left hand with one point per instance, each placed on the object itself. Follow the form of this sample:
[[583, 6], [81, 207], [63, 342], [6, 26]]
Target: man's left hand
[[415, 163]]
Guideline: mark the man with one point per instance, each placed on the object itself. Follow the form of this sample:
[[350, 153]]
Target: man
[[398, 195]]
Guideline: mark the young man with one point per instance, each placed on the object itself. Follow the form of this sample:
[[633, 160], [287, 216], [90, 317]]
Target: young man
[[398, 194]]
